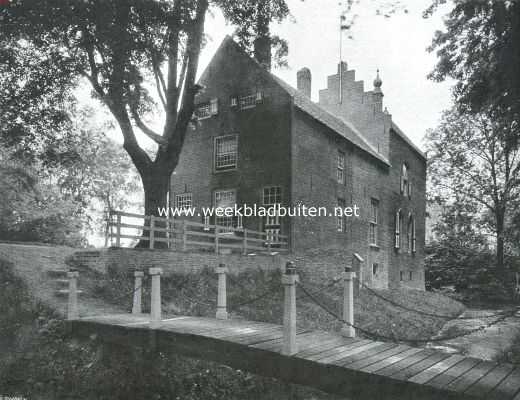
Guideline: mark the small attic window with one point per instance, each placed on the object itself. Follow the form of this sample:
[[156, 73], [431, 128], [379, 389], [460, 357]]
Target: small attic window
[[207, 110], [250, 100]]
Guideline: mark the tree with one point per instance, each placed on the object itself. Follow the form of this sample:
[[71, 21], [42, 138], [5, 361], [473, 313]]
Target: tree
[[471, 162], [480, 49], [119, 46]]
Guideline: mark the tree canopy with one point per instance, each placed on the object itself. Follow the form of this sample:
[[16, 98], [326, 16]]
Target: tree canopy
[[479, 48]]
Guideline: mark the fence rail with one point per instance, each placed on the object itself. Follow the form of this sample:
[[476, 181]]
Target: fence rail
[[183, 234]]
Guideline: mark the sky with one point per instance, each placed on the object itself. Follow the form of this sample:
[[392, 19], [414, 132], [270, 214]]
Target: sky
[[396, 45]]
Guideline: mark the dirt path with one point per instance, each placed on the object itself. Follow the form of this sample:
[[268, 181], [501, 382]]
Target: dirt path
[[487, 344]]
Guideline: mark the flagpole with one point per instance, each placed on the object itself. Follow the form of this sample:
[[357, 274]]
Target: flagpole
[[341, 59]]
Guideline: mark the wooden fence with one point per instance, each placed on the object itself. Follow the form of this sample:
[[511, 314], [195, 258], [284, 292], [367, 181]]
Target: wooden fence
[[182, 234]]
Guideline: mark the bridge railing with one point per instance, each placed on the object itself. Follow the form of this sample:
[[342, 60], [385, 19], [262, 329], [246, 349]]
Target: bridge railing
[[183, 234]]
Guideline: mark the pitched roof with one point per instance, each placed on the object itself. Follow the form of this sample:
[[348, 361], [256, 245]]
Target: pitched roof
[[337, 124]]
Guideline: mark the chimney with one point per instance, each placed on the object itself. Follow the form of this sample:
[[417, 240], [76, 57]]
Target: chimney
[[304, 81], [262, 51]]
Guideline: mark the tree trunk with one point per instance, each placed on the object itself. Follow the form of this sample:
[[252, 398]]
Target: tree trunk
[[500, 240], [156, 184]]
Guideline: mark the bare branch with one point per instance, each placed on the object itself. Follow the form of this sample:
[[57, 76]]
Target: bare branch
[[145, 129]]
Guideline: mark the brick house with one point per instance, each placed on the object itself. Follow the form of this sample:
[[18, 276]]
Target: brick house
[[260, 141]]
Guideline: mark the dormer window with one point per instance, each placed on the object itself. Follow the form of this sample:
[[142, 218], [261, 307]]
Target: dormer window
[[250, 100], [207, 110], [406, 189]]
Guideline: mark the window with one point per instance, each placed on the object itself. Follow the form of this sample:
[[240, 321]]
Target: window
[[374, 221], [206, 110], [223, 200], [410, 275], [397, 242], [226, 149], [405, 181], [401, 276], [250, 100], [414, 238], [340, 175], [410, 234], [375, 269], [272, 195], [183, 201], [340, 219]]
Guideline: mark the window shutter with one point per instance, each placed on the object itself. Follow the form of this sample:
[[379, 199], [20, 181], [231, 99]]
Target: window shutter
[[214, 106]]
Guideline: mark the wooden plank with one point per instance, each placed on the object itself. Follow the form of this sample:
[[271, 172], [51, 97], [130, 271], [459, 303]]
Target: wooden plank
[[390, 360], [414, 369], [436, 369], [508, 388], [347, 351], [471, 376], [319, 337], [404, 363], [491, 380], [453, 373], [378, 357], [323, 346], [360, 355], [333, 348]]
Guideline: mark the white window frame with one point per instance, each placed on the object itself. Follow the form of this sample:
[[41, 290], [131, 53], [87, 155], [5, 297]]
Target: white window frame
[[224, 221], [406, 189], [230, 165], [250, 100], [270, 200], [397, 239], [183, 200], [340, 167], [374, 222]]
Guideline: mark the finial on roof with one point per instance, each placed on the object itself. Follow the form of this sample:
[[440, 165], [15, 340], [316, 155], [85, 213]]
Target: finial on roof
[[377, 83]]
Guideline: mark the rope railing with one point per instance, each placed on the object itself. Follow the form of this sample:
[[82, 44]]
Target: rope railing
[[379, 336], [290, 282]]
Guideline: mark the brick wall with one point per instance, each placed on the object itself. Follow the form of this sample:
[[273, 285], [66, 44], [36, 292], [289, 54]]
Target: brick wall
[[170, 261], [314, 181], [263, 136]]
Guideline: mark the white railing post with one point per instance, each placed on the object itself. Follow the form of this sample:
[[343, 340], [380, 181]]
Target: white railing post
[[289, 279], [155, 306], [138, 292], [347, 329], [72, 308], [222, 313]]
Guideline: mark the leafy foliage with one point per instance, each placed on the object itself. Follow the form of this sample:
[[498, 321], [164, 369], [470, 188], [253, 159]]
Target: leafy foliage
[[473, 167], [479, 49]]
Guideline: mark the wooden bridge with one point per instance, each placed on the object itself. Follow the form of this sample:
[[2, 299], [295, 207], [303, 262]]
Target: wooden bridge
[[337, 363]]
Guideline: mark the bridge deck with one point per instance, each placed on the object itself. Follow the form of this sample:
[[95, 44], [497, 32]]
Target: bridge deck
[[352, 367]]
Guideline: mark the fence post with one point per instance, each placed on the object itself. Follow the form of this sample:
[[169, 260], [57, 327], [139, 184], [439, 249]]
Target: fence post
[[268, 235], [184, 234], [72, 308], [118, 230], [138, 292], [221, 271], [244, 242], [217, 230], [152, 233], [155, 306], [289, 280], [347, 329]]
